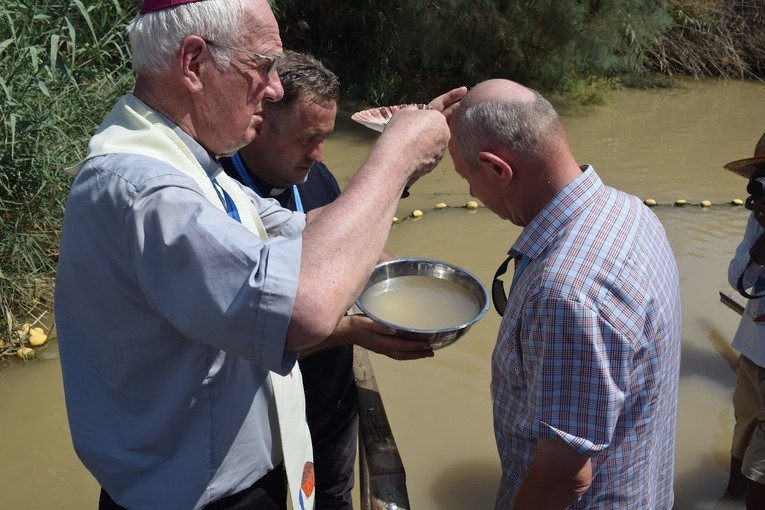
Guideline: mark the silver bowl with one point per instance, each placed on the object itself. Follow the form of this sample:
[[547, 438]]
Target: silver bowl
[[384, 275]]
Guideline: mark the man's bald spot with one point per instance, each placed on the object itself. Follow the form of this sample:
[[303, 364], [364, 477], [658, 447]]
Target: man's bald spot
[[498, 90]]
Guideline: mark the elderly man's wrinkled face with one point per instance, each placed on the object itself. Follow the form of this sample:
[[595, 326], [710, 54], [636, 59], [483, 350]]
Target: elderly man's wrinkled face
[[234, 96]]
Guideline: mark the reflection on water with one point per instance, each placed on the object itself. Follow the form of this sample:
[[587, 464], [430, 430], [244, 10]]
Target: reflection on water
[[665, 145]]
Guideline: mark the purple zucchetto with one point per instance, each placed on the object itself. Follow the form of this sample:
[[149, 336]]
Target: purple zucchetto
[[158, 5]]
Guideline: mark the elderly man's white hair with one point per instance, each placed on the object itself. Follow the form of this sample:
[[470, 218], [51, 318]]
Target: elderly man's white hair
[[156, 36]]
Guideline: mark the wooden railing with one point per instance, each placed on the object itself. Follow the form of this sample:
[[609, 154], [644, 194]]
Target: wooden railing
[[383, 480]]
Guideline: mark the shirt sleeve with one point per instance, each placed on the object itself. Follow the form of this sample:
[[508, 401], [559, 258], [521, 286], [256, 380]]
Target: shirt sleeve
[[278, 220], [576, 373], [209, 276], [741, 258]]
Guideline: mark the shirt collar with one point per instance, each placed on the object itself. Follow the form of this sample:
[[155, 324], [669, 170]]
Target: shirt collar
[[567, 203], [209, 163]]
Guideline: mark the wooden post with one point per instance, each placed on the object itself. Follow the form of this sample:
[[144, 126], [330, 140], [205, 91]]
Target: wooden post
[[383, 480]]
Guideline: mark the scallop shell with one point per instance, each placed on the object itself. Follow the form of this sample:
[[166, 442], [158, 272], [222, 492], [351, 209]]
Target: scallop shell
[[377, 118]]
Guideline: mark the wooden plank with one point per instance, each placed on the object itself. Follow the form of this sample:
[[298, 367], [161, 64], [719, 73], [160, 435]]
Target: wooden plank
[[383, 479], [731, 303]]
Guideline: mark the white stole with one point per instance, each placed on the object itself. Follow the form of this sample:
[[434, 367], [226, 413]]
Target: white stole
[[132, 127]]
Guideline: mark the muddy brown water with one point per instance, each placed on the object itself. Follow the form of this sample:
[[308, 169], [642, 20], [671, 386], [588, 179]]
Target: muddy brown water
[[661, 144]]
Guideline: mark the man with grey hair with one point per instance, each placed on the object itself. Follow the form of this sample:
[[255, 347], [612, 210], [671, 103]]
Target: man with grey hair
[[182, 298], [586, 365], [285, 163]]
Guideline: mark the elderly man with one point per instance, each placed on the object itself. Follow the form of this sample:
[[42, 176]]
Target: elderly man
[[586, 365], [182, 298], [285, 163]]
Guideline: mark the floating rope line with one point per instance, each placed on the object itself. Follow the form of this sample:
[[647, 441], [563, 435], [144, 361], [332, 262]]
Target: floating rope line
[[473, 206], [736, 202]]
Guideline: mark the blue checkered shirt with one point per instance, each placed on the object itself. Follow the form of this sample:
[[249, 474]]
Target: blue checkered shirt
[[589, 347]]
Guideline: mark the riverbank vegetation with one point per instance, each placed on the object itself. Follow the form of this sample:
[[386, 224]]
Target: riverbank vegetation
[[66, 61]]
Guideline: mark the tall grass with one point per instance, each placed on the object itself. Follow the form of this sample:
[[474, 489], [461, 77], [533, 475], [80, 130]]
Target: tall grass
[[63, 65], [712, 38]]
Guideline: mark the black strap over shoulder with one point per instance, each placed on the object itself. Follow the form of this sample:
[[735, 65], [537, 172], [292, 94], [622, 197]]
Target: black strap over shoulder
[[740, 284]]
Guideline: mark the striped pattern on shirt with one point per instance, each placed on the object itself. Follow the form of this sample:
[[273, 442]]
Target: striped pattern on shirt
[[589, 347]]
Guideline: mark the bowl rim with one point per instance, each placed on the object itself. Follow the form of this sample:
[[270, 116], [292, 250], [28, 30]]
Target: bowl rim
[[452, 329]]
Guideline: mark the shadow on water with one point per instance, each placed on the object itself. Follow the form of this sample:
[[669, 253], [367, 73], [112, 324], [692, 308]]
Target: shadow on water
[[699, 360], [701, 489], [471, 483]]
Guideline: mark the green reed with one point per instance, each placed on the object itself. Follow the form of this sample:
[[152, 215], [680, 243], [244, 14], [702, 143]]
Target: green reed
[[63, 65]]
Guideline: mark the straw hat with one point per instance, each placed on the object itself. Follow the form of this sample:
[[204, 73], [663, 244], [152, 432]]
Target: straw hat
[[749, 166]]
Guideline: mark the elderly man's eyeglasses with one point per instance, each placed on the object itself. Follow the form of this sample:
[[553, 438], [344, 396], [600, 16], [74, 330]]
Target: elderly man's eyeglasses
[[260, 60]]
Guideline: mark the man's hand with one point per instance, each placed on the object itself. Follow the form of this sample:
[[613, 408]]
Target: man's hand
[[558, 476], [364, 332], [417, 137], [447, 103]]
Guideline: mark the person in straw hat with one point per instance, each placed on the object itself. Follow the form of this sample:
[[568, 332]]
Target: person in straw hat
[[746, 273], [182, 298]]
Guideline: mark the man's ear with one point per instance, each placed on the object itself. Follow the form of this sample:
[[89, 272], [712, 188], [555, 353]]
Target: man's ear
[[497, 165], [194, 60]]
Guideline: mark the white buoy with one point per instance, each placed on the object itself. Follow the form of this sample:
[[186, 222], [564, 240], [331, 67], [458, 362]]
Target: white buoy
[[416, 213], [440, 206], [472, 205]]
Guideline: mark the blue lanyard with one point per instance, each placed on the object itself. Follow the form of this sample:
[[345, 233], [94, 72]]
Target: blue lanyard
[[231, 209], [236, 159]]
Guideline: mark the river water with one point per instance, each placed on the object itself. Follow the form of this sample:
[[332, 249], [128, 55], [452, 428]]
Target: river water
[[662, 144]]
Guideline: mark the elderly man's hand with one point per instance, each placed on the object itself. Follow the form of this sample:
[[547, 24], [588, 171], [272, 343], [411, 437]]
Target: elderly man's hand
[[417, 139], [447, 103]]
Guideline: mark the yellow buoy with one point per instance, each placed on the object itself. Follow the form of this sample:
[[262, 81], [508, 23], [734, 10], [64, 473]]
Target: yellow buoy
[[472, 205], [680, 202], [26, 353], [37, 337], [705, 203], [737, 201], [440, 206], [650, 202], [416, 213]]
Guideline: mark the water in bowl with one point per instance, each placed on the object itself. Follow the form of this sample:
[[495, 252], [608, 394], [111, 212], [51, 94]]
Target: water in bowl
[[420, 302]]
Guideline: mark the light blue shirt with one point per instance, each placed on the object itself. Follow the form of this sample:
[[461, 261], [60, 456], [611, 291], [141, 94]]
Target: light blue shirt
[[169, 316], [750, 335], [589, 348]]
